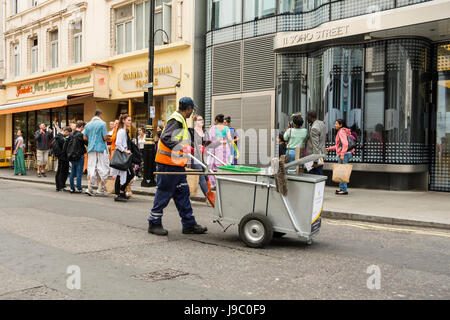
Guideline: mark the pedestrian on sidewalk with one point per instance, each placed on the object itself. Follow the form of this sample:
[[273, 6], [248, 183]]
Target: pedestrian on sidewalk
[[234, 144], [315, 142], [139, 168], [98, 159], [173, 147], [19, 161], [281, 144], [295, 136], [342, 149], [123, 144], [43, 139], [76, 149], [199, 138], [220, 133], [58, 148]]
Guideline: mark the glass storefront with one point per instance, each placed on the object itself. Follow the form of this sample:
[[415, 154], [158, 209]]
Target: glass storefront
[[29, 122], [440, 170], [379, 88]]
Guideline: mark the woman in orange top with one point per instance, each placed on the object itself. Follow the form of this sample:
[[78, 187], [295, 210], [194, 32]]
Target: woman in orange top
[[113, 139]]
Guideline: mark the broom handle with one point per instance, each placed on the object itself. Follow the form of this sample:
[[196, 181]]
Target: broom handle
[[201, 173], [311, 157]]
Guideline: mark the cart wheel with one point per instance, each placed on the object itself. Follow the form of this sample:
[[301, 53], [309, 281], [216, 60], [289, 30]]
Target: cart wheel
[[255, 230], [278, 234]]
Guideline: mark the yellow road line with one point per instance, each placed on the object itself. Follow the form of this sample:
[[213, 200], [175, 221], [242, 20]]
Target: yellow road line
[[375, 227]]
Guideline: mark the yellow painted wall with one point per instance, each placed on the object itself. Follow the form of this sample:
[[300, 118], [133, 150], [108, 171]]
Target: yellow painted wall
[[181, 54], [2, 130]]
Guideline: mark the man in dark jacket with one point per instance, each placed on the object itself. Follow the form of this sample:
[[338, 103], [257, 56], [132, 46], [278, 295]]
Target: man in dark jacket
[[43, 140], [76, 148], [58, 148]]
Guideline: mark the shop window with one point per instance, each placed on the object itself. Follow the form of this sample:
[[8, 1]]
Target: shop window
[[31, 129], [75, 113], [440, 169], [59, 119]]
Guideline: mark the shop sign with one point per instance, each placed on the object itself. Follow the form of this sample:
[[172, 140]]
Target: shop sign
[[165, 76], [101, 83], [319, 35], [43, 87]]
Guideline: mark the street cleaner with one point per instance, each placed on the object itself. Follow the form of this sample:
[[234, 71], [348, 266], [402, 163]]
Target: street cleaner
[[171, 156]]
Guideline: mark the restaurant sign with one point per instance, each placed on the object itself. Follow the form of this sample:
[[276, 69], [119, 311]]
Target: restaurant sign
[[45, 87]]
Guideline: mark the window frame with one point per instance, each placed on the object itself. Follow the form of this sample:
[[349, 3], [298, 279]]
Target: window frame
[[52, 43], [160, 9], [78, 35], [16, 58], [34, 60]]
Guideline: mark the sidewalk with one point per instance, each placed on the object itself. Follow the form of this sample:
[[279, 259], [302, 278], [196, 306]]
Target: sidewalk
[[411, 208]]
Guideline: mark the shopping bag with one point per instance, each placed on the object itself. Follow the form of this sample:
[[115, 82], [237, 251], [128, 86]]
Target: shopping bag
[[110, 185], [121, 160], [342, 172]]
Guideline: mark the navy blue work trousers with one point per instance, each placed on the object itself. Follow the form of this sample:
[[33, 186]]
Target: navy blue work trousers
[[176, 187]]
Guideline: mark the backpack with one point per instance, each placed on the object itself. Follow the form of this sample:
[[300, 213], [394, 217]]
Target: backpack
[[74, 151], [352, 143], [56, 146]]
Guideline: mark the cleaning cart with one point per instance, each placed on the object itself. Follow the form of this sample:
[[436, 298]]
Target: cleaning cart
[[261, 212], [267, 202]]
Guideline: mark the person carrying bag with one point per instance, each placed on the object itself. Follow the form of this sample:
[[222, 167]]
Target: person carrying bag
[[345, 147], [122, 159]]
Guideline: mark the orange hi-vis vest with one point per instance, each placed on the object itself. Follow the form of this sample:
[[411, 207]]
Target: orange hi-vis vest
[[165, 155]]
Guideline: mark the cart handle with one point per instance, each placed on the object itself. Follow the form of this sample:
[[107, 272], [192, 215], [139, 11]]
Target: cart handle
[[262, 184]]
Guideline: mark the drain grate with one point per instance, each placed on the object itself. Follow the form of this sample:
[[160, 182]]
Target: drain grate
[[160, 275]]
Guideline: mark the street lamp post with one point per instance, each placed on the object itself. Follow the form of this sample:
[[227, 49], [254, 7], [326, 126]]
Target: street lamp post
[[149, 147]]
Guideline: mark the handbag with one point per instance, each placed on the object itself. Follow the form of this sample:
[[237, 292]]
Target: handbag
[[342, 172], [121, 160]]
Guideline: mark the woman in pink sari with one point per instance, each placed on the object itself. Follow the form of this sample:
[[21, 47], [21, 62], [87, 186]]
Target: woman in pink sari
[[220, 132]]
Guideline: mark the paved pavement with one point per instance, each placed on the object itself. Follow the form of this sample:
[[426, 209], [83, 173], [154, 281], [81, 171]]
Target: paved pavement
[[410, 208], [43, 233]]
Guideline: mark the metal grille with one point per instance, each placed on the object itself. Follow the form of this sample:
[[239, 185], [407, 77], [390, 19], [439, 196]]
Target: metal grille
[[259, 64], [208, 85], [353, 8], [227, 68], [256, 116], [259, 27]]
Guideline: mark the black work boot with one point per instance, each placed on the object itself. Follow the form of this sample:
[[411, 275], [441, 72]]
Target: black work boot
[[157, 229], [197, 229]]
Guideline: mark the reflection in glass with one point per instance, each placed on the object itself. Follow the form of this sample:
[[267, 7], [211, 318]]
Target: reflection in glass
[[258, 9], [440, 175], [291, 87], [224, 13]]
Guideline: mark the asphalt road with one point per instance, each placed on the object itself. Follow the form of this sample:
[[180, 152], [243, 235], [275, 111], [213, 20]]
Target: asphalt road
[[45, 234]]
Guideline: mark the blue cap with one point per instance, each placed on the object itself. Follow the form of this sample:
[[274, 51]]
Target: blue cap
[[186, 102]]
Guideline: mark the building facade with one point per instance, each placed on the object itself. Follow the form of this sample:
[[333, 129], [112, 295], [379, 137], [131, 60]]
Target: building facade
[[66, 58], [383, 65]]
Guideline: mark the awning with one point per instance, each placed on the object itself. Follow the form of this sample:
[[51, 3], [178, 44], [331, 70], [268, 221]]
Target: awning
[[47, 103]]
